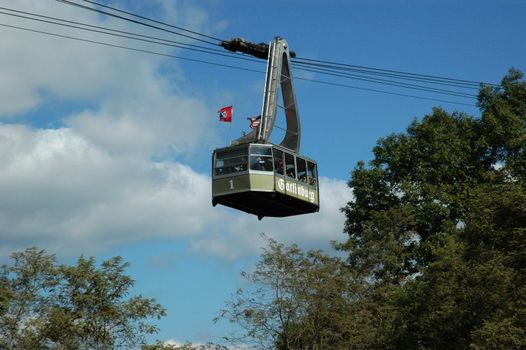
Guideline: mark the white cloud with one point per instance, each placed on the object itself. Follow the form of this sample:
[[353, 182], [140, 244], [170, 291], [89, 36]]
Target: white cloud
[[57, 189], [238, 234], [92, 183], [36, 66]]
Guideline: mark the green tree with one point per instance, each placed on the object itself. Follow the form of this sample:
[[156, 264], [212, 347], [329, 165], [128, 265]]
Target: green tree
[[44, 305], [294, 300], [436, 245], [437, 230], [414, 190]]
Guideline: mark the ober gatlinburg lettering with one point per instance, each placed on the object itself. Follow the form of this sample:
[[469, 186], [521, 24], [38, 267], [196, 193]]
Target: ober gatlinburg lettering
[[296, 189]]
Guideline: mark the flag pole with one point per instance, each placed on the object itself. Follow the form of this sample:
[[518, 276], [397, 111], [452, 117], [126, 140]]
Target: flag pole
[[225, 115], [230, 126]]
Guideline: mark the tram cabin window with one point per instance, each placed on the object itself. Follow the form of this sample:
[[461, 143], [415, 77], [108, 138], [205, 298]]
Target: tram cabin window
[[302, 169], [290, 167], [231, 161], [278, 162], [261, 158], [311, 173]]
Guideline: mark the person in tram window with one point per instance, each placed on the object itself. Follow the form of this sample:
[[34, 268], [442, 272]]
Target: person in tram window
[[267, 166], [260, 164], [279, 166], [311, 173]]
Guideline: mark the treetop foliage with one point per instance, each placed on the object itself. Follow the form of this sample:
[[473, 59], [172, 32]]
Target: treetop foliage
[[436, 245], [420, 184], [45, 305], [438, 227]]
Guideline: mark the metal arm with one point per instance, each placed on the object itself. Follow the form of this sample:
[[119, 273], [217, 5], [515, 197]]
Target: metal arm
[[278, 72], [258, 50]]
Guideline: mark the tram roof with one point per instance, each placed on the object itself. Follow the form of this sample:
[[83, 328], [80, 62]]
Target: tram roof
[[269, 145]]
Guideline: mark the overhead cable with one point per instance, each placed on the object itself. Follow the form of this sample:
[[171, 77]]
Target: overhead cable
[[391, 83], [371, 71], [136, 21], [339, 65], [177, 44], [116, 32], [128, 48], [321, 66], [222, 65], [153, 20]]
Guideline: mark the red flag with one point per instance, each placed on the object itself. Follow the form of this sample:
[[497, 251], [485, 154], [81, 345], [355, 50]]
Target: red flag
[[225, 114], [254, 121]]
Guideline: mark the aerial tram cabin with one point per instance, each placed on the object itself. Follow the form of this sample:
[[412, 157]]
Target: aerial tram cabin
[[265, 180], [254, 175]]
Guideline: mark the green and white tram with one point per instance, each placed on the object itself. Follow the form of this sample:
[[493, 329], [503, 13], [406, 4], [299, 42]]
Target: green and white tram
[[264, 180], [254, 175]]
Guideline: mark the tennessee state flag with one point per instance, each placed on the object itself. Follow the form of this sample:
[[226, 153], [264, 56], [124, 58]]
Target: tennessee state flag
[[225, 114]]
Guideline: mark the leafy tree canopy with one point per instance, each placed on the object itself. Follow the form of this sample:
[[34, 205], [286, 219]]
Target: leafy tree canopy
[[436, 245], [295, 300], [44, 305], [421, 183], [438, 227]]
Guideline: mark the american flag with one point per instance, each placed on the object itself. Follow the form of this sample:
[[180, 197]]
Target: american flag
[[254, 121]]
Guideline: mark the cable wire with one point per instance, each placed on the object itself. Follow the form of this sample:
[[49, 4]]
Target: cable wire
[[391, 83], [384, 92], [103, 28], [153, 20], [129, 48], [171, 43], [333, 68], [119, 33], [322, 66], [222, 65], [401, 73], [135, 21]]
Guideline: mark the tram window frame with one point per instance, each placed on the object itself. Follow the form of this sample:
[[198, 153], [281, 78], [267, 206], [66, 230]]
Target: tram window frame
[[301, 169], [229, 162], [261, 150], [312, 173], [279, 163], [261, 158], [290, 165]]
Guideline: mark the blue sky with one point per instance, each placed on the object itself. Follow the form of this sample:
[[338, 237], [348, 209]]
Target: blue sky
[[106, 152]]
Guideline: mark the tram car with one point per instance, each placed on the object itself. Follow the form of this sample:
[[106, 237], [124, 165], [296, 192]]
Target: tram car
[[259, 177], [264, 180]]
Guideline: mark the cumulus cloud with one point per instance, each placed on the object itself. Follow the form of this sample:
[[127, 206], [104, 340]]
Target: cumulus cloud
[[239, 235], [58, 189], [92, 183], [36, 66], [111, 172]]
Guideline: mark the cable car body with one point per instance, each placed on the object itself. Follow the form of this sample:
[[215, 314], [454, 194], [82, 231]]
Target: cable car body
[[254, 175], [264, 180]]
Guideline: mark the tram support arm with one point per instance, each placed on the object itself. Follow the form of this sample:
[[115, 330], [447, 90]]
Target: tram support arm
[[257, 50]]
